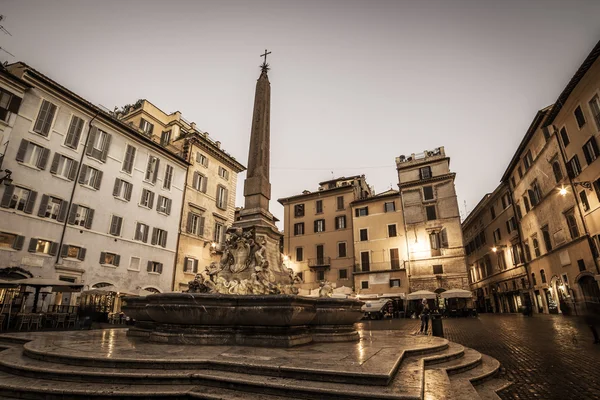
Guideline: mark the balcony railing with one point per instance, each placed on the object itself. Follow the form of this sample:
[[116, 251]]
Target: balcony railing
[[380, 266], [319, 262]]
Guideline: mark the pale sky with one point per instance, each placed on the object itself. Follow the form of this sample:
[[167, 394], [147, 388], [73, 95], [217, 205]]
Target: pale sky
[[354, 84]]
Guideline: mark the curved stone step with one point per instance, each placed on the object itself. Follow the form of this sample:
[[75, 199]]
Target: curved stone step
[[486, 369], [489, 389], [453, 351]]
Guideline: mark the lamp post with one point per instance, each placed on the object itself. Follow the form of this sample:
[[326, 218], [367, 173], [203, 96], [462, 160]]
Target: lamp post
[[584, 184], [7, 177]]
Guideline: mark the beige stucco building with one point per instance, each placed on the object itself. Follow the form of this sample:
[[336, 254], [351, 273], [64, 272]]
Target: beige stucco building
[[318, 241], [210, 189], [380, 246], [432, 222], [497, 269]]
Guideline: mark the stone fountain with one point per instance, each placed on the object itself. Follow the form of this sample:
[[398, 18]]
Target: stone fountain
[[248, 297]]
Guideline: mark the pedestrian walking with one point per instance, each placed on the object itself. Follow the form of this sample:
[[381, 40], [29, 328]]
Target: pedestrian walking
[[424, 317]]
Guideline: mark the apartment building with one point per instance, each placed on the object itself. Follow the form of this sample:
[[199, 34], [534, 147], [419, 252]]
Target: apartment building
[[432, 222], [380, 246], [91, 201], [318, 240], [210, 185], [497, 270]]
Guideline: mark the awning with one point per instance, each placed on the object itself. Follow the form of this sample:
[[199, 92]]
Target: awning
[[421, 294], [55, 284], [393, 296], [456, 294]]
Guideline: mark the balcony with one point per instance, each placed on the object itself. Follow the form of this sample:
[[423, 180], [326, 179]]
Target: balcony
[[380, 266], [319, 262]]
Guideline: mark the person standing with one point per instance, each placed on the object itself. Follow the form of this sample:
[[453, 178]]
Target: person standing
[[424, 317]]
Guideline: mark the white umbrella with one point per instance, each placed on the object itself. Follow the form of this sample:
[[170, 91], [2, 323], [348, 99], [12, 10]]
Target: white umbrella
[[392, 295], [456, 294], [55, 284], [421, 294]]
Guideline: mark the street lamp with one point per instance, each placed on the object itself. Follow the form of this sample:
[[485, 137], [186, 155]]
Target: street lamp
[[584, 184], [6, 178], [497, 247]]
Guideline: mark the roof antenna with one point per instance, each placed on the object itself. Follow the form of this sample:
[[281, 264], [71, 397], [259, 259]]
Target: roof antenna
[[2, 28]]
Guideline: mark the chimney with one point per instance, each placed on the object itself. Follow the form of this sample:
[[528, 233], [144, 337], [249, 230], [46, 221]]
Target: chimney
[[218, 144]]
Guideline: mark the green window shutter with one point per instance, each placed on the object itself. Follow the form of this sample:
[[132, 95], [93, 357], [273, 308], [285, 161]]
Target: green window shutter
[[22, 150], [30, 202]]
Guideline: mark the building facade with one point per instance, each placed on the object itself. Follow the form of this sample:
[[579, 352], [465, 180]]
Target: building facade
[[210, 185], [497, 270], [432, 222], [380, 246], [318, 240], [92, 201]]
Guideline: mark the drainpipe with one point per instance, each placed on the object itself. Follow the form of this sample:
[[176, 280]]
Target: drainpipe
[[185, 188], [585, 227], [75, 181]]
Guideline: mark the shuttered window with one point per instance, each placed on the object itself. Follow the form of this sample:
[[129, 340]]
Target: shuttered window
[[80, 215], [195, 224], [168, 177], [152, 169], [116, 223], [590, 150], [90, 177], [122, 189], [53, 208], [199, 182], [222, 197], [163, 205], [564, 136], [32, 154], [141, 232], [340, 222], [431, 213], [147, 199], [579, 116], [43, 123], [159, 237], [129, 159], [74, 132], [98, 144], [18, 198]]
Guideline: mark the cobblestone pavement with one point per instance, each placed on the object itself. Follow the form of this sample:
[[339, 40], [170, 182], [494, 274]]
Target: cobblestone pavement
[[545, 356]]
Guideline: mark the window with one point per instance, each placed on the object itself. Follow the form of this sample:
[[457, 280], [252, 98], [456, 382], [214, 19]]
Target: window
[[395, 258], [501, 260], [76, 252], [299, 210], [572, 224], [595, 109], [32, 154], [319, 206], [364, 235], [579, 117], [147, 199], [365, 261], [340, 222], [202, 159], [122, 189], [152, 169], [74, 132], [438, 269], [511, 225], [219, 232], [364, 284], [146, 127], [190, 265], [528, 160], [506, 201], [199, 182], [165, 138], [590, 150], [159, 237], [195, 224], [163, 205], [361, 212], [564, 136], [527, 250], [520, 172], [493, 212], [547, 239], [319, 225], [299, 229], [53, 208], [526, 203], [222, 195], [340, 202], [223, 173], [300, 276], [141, 232], [168, 177], [154, 267], [581, 265], [320, 275], [584, 200], [533, 280], [558, 175], [343, 274], [299, 254], [535, 194], [81, 216], [573, 167], [18, 198], [11, 241], [392, 230], [390, 206], [116, 223], [134, 264], [9, 103], [431, 214], [519, 212], [536, 247], [497, 236], [129, 159], [342, 250], [425, 172], [512, 181], [515, 254], [90, 177], [43, 123], [597, 188], [543, 275], [428, 193], [42, 246], [98, 144], [64, 167]]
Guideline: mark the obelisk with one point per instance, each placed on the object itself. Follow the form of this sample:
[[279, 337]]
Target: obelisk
[[257, 188]]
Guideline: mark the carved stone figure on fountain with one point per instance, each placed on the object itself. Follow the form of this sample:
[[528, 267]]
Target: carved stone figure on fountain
[[198, 285], [325, 289]]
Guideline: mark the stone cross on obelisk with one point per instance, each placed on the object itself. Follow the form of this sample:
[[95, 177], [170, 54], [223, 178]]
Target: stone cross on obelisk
[[257, 188]]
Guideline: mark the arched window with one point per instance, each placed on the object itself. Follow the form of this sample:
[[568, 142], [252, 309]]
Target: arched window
[[533, 281], [101, 285], [543, 275]]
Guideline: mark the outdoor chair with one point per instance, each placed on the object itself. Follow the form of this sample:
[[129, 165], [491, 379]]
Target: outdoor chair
[[36, 320], [24, 319], [72, 319], [60, 320]]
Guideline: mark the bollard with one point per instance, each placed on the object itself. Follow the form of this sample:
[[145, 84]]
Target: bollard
[[437, 327]]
